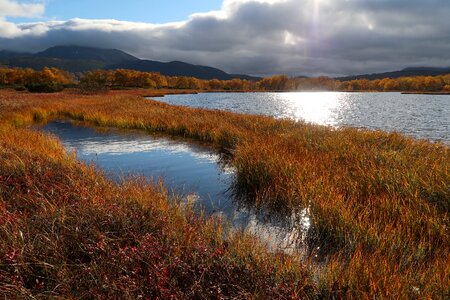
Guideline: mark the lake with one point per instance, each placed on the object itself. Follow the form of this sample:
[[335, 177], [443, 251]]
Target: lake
[[419, 116], [189, 171]]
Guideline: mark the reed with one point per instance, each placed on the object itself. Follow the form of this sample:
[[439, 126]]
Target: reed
[[379, 202], [67, 231]]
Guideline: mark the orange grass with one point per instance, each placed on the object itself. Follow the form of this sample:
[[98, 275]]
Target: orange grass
[[379, 202], [66, 231]]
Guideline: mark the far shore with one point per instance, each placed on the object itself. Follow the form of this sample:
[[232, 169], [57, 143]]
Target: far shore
[[165, 92], [426, 93]]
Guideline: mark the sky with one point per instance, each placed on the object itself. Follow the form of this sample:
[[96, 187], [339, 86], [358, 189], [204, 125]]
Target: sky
[[151, 11], [258, 37]]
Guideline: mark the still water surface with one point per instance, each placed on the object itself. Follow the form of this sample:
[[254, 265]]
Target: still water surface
[[419, 116], [190, 171]]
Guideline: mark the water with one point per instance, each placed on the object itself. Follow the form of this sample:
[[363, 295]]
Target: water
[[185, 169], [419, 116], [190, 171]]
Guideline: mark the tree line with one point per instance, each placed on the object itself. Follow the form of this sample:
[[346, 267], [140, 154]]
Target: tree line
[[46, 80], [52, 80]]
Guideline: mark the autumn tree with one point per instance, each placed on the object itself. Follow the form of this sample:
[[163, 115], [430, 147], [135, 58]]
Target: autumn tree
[[48, 80], [184, 82], [159, 80], [96, 81], [235, 84], [417, 83], [278, 82], [215, 84]]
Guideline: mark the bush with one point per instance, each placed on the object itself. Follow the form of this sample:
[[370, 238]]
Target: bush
[[20, 88], [92, 87], [44, 87]]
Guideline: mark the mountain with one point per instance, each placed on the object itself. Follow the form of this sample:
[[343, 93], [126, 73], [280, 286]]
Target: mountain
[[411, 71], [246, 77], [5, 55], [174, 68], [71, 65], [81, 59], [107, 56]]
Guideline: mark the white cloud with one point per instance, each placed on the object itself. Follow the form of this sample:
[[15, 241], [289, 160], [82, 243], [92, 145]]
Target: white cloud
[[268, 36], [10, 8]]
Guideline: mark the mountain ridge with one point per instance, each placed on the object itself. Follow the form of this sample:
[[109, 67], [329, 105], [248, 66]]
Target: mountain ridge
[[108, 56], [78, 59], [81, 59], [406, 72], [176, 68]]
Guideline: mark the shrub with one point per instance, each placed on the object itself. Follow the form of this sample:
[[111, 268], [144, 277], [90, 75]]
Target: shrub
[[92, 87], [20, 88], [46, 87]]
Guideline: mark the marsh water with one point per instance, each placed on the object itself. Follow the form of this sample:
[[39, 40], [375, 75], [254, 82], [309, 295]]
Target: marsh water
[[191, 172], [419, 116]]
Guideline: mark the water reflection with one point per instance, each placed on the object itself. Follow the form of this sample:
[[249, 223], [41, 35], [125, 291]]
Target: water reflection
[[420, 116], [320, 108], [192, 172], [288, 241]]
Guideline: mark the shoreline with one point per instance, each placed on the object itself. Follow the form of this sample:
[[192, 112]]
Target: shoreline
[[426, 93]]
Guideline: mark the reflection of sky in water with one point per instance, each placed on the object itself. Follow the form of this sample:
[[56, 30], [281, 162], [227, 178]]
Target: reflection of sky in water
[[125, 146], [190, 171], [420, 116]]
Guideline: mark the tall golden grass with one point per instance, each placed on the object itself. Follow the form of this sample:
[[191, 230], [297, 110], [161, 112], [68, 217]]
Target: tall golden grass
[[379, 202], [66, 231]]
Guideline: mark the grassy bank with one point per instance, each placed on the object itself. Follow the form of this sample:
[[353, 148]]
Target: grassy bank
[[379, 202], [67, 231]]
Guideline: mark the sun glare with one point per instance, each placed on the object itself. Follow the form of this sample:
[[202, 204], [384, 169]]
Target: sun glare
[[315, 107]]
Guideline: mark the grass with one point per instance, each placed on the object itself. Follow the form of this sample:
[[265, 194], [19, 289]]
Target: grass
[[379, 202], [68, 231]]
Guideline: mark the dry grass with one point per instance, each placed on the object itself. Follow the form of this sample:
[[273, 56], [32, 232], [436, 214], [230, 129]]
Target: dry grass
[[379, 202], [67, 231]]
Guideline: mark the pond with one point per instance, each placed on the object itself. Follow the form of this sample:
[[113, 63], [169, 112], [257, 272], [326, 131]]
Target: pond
[[419, 116], [188, 170]]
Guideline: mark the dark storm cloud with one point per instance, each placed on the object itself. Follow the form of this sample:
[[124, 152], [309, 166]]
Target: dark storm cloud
[[267, 36]]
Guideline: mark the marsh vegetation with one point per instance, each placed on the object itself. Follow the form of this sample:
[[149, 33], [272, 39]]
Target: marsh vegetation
[[378, 202]]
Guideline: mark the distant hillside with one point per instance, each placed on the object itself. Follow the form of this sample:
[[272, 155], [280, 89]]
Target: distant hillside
[[71, 65], [174, 68], [246, 77], [412, 71], [107, 56], [81, 59], [5, 55]]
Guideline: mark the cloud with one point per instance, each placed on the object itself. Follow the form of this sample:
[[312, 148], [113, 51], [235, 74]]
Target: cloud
[[266, 36], [9, 8], [14, 9]]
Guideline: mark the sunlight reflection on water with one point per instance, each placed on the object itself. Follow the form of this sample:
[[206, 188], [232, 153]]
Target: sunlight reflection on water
[[320, 108], [420, 116]]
